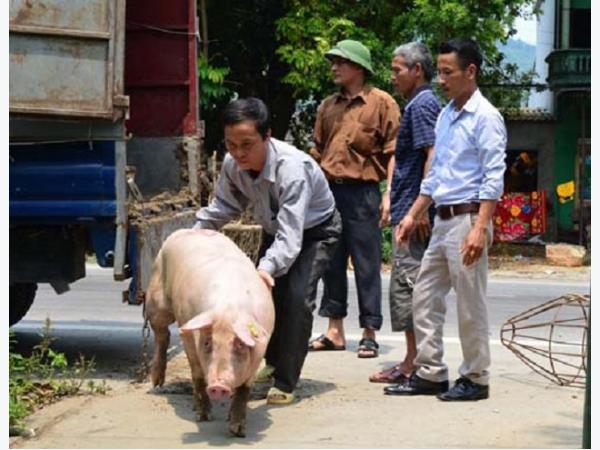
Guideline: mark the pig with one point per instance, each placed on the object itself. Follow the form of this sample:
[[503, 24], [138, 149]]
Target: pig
[[225, 314]]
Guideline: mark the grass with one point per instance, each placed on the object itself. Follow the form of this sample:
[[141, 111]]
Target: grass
[[44, 377]]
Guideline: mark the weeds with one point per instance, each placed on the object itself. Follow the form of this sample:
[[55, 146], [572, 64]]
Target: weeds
[[44, 377]]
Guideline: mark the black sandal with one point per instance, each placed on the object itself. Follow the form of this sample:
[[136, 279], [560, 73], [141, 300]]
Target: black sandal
[[368, 348], [327, 344]]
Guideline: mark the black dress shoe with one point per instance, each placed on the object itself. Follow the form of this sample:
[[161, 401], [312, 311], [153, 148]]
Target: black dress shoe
[[465, 390], [417, 386]]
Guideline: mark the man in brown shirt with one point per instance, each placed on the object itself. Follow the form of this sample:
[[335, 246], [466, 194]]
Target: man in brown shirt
[[355, 138]]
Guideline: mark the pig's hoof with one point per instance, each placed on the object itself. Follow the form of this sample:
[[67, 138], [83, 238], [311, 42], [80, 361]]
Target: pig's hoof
[[238, 429], [158, 379], [203, 416]]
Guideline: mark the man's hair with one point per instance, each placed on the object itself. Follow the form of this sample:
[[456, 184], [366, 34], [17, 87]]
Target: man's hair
[[416, 52], [252, 109], [467, 52]]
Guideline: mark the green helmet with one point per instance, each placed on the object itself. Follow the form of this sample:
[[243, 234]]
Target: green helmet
[[353, 51]]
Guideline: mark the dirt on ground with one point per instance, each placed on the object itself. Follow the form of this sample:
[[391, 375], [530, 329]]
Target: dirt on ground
[[336, 407]]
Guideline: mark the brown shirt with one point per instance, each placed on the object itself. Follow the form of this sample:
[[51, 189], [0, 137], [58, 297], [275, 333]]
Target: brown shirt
[[355, 137]]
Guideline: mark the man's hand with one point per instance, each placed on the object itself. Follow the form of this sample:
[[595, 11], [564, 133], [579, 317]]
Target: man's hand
[[267, 278], [404, 228], [423, 228], [384, 210], [472, 247]]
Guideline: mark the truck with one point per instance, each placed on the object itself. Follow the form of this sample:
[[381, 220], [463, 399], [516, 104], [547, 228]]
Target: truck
[[104, 139]]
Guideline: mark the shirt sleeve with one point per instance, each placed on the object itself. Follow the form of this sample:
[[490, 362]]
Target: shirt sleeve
[[390, 123], [429, 183], [316, 150], [287, 244], [423, 117], [227, 204], [491, 145]]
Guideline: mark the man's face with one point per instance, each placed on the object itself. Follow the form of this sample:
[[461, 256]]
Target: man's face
[[453, 80], [246, 145], [345, 72], [403, 78]]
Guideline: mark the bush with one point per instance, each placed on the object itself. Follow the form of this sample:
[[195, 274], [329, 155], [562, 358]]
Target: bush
[[42, 378]]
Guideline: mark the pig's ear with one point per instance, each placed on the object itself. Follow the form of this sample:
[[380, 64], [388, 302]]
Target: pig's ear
[[203, 320], [249, 331]]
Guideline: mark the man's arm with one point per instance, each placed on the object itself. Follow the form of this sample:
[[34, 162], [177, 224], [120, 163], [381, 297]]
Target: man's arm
[[385, 198], [476, 240], [408, 223], [227, 204], [290, 229], [491, 142], [316, 150], [423, 226], [390, 126]]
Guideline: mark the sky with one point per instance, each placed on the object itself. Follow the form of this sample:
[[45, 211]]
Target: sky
[[526, 30]]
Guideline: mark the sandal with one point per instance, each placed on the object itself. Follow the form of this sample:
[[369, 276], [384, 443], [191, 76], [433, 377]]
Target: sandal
[[368, 348], [264, 375], [278, 397], [393, 375], [326, 344]]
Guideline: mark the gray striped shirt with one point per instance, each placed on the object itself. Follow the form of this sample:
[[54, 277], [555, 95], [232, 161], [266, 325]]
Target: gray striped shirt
[[290, 195]]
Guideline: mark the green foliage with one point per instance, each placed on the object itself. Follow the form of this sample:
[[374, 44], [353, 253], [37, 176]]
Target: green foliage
[[212, 84], [311, 27], [43, 377], [386, 245]]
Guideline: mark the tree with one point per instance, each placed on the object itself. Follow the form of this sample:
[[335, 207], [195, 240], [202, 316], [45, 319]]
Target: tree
[[275, 49], [311, 27]]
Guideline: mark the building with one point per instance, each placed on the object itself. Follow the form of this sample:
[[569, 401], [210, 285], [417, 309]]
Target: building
[[550, 140]]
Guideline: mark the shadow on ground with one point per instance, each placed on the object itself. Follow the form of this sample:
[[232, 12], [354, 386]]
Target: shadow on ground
[[216, 433]]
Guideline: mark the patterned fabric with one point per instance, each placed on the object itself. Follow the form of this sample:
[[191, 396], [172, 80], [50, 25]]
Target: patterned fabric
[[416, 133], [520, 215]]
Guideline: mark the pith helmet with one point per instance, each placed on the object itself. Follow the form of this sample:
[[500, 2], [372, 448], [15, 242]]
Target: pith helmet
[[353, 51]]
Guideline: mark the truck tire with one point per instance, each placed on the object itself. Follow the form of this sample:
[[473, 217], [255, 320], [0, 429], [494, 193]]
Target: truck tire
[[21, 297]]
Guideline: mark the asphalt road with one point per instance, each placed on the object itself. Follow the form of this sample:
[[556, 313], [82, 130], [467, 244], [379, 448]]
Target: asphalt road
[[91, 319]]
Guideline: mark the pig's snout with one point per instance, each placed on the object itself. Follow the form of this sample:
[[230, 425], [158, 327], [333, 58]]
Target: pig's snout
[[218, 391]]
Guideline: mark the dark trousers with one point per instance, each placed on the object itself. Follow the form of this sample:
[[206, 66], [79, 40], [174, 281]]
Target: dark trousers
[[294, 296], [358, 205]]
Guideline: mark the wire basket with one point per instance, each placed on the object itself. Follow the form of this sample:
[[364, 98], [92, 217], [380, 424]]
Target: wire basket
[[552, 338]]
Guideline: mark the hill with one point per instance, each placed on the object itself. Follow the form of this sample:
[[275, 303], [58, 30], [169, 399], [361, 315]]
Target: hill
[[520, 53]]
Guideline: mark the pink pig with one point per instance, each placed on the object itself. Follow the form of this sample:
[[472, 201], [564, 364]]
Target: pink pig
[[225, 313]]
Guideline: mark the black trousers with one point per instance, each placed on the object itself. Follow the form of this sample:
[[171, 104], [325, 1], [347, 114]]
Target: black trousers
[[358, 205], [294, 296]]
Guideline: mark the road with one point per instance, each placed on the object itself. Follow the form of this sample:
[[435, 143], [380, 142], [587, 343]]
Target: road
[[524, 411], [92, 319]]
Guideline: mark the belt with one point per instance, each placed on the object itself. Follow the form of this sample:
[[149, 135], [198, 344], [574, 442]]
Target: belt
[[448, 211], [348, 181]]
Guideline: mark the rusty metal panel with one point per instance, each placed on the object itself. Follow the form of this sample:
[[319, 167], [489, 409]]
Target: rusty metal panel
[[66, 58], [161, 68]]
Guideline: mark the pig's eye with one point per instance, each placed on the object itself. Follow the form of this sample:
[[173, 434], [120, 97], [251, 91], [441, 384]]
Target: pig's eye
[[238, 346], [207, 344]]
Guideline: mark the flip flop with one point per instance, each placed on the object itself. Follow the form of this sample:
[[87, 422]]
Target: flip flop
[[278, 397], [327, 345], [368, 348], [391, 375]]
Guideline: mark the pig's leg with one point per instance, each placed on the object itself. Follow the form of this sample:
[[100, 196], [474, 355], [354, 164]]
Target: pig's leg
[[237, 411], [160, 317], [202, 404]]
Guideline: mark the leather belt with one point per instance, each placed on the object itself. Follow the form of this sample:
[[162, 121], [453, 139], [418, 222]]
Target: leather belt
[[348, 181], [448, 211]]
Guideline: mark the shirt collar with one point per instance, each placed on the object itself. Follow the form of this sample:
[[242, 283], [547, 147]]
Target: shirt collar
[[362, 95], [471, 104], [268, 172], [424, 87]]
